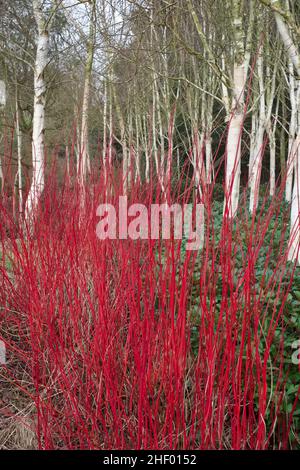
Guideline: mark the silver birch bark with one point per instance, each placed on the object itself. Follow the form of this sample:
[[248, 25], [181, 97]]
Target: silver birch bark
[[235, 128], [38, 130]]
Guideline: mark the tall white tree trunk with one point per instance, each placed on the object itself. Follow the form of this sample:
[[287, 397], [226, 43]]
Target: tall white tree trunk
[[271, 126], [84, 141], [271, 131], [287, 39], [272, 144], [292, 150], [2, 105], [2, 94], [104, 149], [84, 164], [158, 162], [38, 131], [294, 144], [255, 169], [254, 127], [235, 128], [145, 146], [294, 241], [208, 141], [19, 152], [208, 158]]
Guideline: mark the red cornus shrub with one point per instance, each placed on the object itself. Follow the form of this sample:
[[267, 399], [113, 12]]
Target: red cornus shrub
[[143, 344]]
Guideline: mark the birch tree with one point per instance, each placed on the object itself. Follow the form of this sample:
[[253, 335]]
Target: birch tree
[[288, 30], [262, 122], [38, 131], [2, 105], [235, 127], [84, 158], [285, 23], [19, 152]]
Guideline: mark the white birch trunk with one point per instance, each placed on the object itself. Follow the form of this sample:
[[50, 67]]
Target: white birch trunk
[[145, 145], [110, 125], [234, 138], [38, 130], [208, 142], [235, 128], [271, 126], [104, 150], [2, 94], [294, 96], [287, 39], [254, 126], [294, 242], [294, 144], [2, 105], [272, 144], [137, 148], [84, 166], [255, 169], [84, 141], [19, 153]]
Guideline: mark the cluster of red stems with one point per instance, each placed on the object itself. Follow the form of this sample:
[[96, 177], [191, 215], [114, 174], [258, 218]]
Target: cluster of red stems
[[126, 344]]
